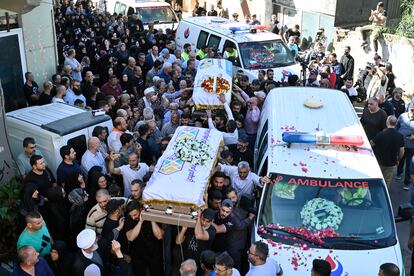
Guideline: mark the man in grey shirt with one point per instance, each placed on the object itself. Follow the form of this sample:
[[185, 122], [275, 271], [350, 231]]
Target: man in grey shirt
[[23, 159]]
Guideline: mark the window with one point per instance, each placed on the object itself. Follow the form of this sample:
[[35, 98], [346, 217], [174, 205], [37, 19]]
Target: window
[[79, 145], [122, 9], [262, 134], [262, 150], [160, 14], [116, 8], [214, 41], [327, 22], [309, 25], [290, 17], [202, 39]]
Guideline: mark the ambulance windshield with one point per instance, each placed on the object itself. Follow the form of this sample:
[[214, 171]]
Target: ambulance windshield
[[156, 14], [265, 54], [333, 213]]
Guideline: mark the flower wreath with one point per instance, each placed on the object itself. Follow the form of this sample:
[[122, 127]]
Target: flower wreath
[[193, 151], [262, 55], [222, 85], [320, 213]]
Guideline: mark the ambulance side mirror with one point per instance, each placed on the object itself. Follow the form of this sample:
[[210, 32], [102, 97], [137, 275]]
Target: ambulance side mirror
[[405, 211]]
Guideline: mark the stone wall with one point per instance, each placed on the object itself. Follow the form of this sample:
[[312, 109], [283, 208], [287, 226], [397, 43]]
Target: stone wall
[[397, 50]]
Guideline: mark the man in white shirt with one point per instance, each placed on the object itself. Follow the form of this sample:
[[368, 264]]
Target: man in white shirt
[[92, 157], [114, 142], [242, 179], [224, 265], [261, 263], [74, 93], [134, 170], [231, 135], [60, 93]]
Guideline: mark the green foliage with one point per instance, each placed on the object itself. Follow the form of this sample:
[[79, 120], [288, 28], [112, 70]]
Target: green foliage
[[9, 218], [406, 26]]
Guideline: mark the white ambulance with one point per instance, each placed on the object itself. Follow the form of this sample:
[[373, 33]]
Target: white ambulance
[[327, 199], [257, 49], [158, 13]]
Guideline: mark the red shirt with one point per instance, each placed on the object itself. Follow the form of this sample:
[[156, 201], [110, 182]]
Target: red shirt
[[109, 90]]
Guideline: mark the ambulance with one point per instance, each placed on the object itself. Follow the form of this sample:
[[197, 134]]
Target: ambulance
[[257, 49], [327, 198]]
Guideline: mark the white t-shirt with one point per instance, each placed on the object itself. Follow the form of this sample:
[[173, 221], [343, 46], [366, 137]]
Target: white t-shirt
[[270, 268], [129, 174], [242, 186], [114, 142]]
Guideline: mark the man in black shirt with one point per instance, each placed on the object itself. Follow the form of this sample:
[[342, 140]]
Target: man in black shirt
[[145, 239], [223, 225], [40, 175], [347, 62], [397, 102], [146, 151], [373, 118], [31, 90], [69, 175], [388, 147], [194, 241], [241, 151]]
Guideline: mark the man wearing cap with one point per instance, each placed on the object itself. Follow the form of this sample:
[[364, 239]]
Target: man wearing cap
[[223, 225], [145, 239], [397, 102], [320, 268], [242, 179], [134, 170], [166, 56], [194, 241]]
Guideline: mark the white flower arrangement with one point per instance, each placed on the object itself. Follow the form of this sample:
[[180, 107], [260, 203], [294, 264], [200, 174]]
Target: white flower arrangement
[[320, 213], [193, 151]]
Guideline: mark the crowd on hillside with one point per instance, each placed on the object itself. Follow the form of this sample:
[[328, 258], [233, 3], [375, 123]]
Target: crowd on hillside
[[88, 220]]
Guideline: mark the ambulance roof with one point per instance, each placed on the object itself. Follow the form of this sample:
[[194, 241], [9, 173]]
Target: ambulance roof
[[337, 115], [222, 26], [57, 118]]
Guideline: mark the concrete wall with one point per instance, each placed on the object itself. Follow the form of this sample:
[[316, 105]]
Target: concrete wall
[[39, 41], [397, 50]]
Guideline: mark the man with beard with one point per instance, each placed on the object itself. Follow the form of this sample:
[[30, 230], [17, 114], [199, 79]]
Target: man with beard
[[261, 264], [397, 102], [145, 239], [74, 93], [223, 225], [241, 151], [194, 241]]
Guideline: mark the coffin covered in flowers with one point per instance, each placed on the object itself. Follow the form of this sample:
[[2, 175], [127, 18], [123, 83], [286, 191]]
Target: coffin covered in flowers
[[214, 78], [181, 175]]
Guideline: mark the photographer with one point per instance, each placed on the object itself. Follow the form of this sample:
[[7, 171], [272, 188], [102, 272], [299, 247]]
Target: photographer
[[379, 82], [321, 37]]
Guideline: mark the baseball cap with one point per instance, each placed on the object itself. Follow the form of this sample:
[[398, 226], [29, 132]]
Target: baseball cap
[[149, 90], [209, 213], [260, 94], [86, 238], [227, 203], [114, 204], [243, 138], [164, 52]]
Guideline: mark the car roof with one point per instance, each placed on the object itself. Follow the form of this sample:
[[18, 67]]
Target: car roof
[[57, 117], [222, 26], [287, 112]]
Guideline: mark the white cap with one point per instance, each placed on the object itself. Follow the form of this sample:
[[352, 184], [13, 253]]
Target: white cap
[[86, 238], [260, 94], [149, 90]]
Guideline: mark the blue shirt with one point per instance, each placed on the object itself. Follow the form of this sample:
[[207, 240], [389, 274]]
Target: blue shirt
[[405, 126], [269, 268], [41, 268]]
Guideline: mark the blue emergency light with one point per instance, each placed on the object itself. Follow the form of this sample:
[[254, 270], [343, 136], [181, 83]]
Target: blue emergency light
[[321, 138]]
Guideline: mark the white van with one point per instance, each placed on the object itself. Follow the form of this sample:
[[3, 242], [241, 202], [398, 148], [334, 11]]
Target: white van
[[327, 198], [257, 50], [158, 13], [53, 126]]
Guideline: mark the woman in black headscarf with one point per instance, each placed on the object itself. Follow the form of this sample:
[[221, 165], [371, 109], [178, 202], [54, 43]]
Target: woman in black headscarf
[[57, 213], [31, 201], [60, 259], [96, 180]]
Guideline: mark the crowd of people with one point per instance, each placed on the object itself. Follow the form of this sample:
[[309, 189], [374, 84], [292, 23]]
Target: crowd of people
[[89, 219]]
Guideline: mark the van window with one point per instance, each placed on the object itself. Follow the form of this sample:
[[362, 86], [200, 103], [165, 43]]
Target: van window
[[263, 171], [116, 7], [265, 54], [122, 9], [202, 39], [79, 145], [214, 41], [160, 14], [262, 149], [327, 212], [263, 133]]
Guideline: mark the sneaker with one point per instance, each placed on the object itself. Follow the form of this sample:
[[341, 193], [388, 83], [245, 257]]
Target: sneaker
[[398, 176], [406, 188]]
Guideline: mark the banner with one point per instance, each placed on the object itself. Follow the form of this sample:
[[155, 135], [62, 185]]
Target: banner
[[182, 173], [214, 77]]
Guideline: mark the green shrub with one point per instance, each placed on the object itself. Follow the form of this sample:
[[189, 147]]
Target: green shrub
[[406, 26]]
